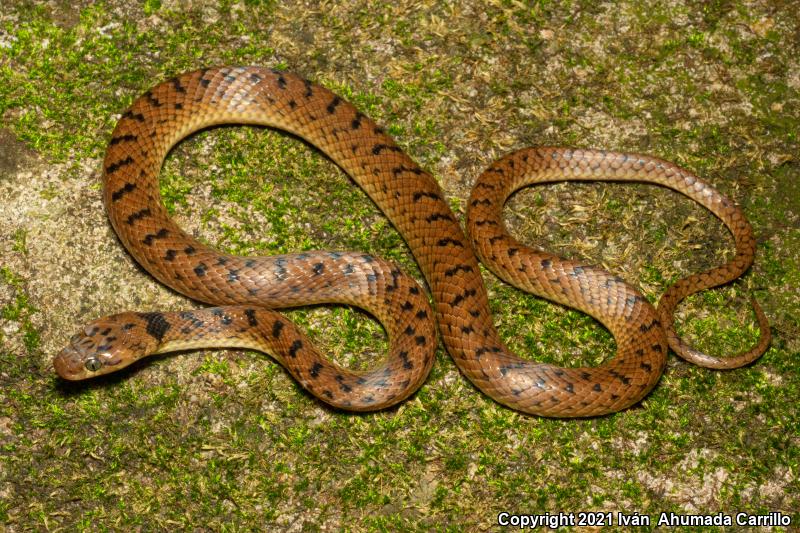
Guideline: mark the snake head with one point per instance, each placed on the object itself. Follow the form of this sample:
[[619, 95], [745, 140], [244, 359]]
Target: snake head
[[102, 346]]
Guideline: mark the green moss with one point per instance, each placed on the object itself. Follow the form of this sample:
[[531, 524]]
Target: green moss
[[88, 62], [19, 309]]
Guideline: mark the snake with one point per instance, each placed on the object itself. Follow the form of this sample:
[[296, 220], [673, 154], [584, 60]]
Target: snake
[[245, 292]]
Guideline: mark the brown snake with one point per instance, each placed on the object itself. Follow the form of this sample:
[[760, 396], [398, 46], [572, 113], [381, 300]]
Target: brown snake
[[414, 203]]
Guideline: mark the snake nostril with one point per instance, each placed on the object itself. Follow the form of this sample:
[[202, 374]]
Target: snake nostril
[[64, 363]]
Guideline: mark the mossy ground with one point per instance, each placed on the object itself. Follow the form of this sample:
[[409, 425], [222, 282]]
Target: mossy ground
[[225, 440]]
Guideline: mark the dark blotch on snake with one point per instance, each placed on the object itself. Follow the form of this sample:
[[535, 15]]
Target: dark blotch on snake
[[138, 117], [157, 325], [332, 106], [150, 237], [121, 138], [295, 347], [119, 193], [447, 241]]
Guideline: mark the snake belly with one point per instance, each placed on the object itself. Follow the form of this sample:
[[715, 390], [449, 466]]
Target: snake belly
[[413, 201]]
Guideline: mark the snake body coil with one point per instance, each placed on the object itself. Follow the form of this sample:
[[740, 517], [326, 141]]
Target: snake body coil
[[414, 203]]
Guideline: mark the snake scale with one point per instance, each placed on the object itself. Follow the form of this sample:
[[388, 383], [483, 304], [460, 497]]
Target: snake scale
[[248, 287]]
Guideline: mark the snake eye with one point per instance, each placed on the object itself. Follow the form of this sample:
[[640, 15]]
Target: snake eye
[[93, 364]]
